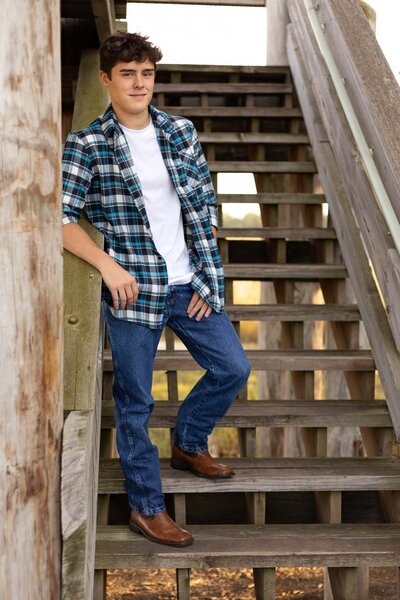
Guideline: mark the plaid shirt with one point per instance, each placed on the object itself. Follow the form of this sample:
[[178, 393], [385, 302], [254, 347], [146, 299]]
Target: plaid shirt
[[99, 178]]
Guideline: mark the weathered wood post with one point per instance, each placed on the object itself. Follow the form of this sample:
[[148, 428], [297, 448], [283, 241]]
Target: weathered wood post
[[277, 20], [31, 315]]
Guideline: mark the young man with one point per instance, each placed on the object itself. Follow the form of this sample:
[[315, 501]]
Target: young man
[[142, 179]]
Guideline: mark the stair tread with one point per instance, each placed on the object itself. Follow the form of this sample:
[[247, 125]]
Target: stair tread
[[223, 88], [271, 475], [269, 166], [280, 360], [255, 546], [265, 271], [235, 69], [293, 233], [273, 198], [278, 413], [253, 138], [293, 312], [270, 112]]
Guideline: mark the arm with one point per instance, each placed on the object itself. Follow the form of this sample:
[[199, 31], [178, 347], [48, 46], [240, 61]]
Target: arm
[[77, 176], [122, 285]]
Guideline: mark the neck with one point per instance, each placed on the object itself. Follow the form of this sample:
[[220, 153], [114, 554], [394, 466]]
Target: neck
[[139, 121]]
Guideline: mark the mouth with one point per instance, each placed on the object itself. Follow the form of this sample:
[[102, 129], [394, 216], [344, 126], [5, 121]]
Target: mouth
[[137, 95]]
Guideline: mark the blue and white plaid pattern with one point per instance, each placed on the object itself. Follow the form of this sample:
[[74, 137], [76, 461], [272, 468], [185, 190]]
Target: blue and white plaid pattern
[[99, 178]]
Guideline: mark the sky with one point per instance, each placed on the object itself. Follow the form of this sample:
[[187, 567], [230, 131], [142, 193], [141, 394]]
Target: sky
[[228, 35]]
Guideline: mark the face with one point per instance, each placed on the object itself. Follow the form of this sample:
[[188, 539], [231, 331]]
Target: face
[[130, 87]]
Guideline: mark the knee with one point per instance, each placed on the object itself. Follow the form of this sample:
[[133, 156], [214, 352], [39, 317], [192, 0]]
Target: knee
[[239, 371]]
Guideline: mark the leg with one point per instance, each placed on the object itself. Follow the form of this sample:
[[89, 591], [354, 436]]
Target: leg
[[133, 350], [214, 344]]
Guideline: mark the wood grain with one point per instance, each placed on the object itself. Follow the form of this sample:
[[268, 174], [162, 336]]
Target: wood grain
[[255, 546], [31, 283]]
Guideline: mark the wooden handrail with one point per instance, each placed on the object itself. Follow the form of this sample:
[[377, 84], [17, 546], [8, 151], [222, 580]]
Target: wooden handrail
[[334, 131]]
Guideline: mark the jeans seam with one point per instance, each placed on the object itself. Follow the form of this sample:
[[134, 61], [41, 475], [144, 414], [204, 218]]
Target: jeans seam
[[206, 393], [127, 431]]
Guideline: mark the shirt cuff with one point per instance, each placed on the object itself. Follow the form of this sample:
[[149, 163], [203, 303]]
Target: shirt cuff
[[69, 219], [213, 212]]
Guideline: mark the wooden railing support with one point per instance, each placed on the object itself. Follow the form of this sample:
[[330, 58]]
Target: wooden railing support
[[31, 285], [277, 21], [82, 379]]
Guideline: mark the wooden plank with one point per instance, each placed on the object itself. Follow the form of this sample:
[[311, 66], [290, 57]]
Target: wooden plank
[[371, 85], [272, 198], [279, 413], [255, 546], [82, 282], [104, 16], [280, 360], [31, 283], [83, 344], [262, 166], [225, 69], [277, 21], [267, 233], [271, 475], [293, 312], [240, 3], [376, 236], [79, 477], [372, 311], [265, 272], [222, 88], [267, 112], [252, 138]]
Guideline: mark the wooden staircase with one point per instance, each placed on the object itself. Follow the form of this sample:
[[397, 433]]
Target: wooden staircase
[[279, 510]]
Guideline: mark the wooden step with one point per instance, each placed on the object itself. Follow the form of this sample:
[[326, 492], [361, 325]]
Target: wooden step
[[273, 198], [276, 360], [278, 233], [277, 413], [185, 89], [253, 138], [249, 3], [254, 546], [293, 312], [207, 70], [246, 166], [267, 271], [270, 475], [264, 112]]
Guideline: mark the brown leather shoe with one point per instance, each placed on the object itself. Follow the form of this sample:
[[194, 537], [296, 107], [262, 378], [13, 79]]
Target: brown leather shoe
[[201, 464], [159, 528]]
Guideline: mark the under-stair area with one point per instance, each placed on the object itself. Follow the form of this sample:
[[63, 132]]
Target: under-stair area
[[302, 505]]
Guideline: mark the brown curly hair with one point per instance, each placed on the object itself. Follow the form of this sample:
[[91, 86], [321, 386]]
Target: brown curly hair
[[126, 47]]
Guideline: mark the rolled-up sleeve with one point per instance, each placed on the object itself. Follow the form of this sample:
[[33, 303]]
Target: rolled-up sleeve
[[206, 182], [77, 176]]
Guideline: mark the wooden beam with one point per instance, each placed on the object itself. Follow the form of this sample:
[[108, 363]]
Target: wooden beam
[[371, 85], [104, 15], [82, 379], [277, 21], [31, 283], [371, 308]]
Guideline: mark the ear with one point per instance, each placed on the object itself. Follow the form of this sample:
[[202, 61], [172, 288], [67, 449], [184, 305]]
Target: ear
[[104, 78]]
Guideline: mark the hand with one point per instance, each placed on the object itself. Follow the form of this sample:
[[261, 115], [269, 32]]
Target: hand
[[199, 306], [122, 285], [215, 234]]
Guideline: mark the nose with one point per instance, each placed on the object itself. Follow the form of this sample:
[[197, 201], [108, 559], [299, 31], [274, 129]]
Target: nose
[[138, 81]]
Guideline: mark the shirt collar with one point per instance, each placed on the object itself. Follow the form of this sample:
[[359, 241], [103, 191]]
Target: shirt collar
[[160, 119]]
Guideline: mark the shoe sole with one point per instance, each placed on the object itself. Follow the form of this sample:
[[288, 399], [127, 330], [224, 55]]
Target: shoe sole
[[176, 463], [137, 529]]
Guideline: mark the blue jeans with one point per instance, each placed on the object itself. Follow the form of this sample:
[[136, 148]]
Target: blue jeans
[[214, 344]]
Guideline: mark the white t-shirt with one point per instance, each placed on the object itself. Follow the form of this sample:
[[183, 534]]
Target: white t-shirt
[[162, 203]]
